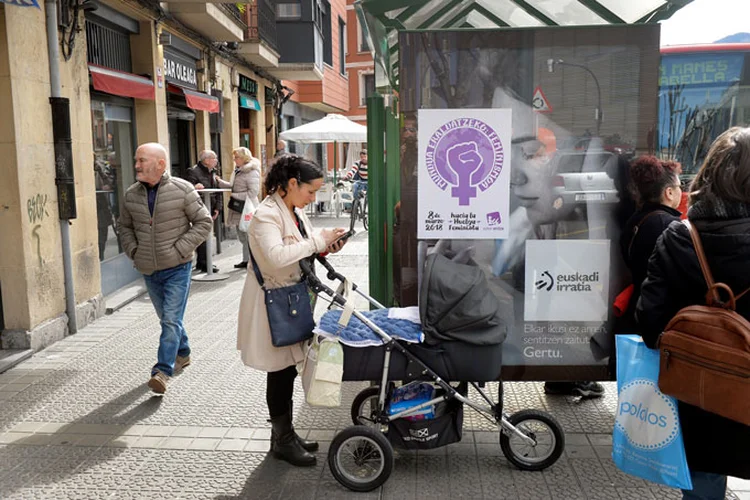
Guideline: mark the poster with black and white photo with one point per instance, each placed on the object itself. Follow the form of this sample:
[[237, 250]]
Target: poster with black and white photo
[[557, 265]]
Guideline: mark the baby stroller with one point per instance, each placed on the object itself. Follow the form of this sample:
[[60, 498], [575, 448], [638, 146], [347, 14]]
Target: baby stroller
[[458, 351]]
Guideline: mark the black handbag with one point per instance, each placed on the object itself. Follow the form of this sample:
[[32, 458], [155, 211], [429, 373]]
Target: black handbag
[[290, 314], [236, 205]]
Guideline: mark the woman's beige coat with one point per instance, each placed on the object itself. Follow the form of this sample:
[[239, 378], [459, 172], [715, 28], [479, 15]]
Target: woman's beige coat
[[245, 182], [277, 246]]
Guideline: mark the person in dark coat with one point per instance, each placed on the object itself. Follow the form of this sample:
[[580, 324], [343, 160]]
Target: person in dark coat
[[716, 447], [658, 190], [203, 176]]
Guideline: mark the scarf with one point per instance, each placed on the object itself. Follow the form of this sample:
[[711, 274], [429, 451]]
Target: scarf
[[712, 208]]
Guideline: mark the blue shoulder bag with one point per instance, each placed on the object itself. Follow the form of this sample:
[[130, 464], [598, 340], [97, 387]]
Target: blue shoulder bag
[[290, 314]]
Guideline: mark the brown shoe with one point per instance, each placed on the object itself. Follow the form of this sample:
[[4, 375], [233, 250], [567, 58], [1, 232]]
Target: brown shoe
[[158, 382], [181, 362]]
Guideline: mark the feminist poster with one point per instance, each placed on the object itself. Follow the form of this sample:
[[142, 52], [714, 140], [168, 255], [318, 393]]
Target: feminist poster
[[464, 173]]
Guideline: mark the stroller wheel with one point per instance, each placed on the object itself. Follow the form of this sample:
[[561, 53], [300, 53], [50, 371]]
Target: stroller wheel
[[360, 458], [549, 440], [365, 407]]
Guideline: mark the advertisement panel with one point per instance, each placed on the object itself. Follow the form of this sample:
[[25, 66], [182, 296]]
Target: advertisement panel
[[464, 173], [561, 196]]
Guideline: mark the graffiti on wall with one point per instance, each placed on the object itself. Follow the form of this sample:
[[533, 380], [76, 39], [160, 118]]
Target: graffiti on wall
[[36, 207]]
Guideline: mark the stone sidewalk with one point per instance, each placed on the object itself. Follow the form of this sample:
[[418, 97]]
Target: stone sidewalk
[[77, 421]]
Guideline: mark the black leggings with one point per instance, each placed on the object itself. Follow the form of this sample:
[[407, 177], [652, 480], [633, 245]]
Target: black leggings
[[279, 390]]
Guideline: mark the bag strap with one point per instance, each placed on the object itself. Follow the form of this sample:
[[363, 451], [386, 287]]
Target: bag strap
[[712, 295], [698, 245], [638, 227], [257, 271]]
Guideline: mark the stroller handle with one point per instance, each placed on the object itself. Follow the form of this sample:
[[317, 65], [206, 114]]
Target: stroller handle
[[316, 285], [332, 273]]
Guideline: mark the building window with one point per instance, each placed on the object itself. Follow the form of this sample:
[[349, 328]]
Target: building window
[[342, 46], [325, 15], [113, 168], [366, 87], [108, 47], [319, 49], [288, 11], [363, 45]]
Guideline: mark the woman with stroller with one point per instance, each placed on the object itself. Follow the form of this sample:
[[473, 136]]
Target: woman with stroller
[[719, 209], [245, 183], [280, 236]]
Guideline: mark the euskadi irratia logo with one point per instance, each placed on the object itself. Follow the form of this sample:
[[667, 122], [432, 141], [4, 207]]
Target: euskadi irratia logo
[[465, 154]]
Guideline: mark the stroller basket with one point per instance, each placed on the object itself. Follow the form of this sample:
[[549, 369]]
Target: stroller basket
[[428, 434]]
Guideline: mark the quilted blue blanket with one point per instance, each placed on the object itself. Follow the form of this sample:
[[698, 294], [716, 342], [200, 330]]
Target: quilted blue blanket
[[357, 334]]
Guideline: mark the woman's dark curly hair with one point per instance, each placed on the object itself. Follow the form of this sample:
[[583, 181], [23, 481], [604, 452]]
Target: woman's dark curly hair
[[651, 176], [287, 167]]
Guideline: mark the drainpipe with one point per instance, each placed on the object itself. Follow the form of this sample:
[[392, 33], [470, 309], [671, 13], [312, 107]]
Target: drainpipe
[[66, 196]]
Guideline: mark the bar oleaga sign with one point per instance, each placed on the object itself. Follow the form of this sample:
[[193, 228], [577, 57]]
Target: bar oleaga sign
[[180, 69]]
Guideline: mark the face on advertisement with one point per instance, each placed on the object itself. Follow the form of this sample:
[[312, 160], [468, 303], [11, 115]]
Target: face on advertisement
[[532, 181]]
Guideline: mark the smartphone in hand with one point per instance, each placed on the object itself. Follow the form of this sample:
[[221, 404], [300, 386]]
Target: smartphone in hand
[[345, 236]]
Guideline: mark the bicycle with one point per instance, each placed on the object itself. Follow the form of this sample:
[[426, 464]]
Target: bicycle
[[359, 209]]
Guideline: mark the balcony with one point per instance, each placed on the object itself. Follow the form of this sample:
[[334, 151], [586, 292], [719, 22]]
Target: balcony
[[217, 21], [260, 46]]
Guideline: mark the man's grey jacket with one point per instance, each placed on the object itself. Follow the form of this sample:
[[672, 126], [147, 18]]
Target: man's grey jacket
[[167, 238]]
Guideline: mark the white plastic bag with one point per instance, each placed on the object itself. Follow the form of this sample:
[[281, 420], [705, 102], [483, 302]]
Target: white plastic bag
[[247, 213], [322, 372]]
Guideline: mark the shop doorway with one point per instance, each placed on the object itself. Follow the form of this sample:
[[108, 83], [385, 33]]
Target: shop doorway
[[181, 141], [247, 134]]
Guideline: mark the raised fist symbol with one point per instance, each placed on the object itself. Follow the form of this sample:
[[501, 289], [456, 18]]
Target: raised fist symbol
[[464, 159]]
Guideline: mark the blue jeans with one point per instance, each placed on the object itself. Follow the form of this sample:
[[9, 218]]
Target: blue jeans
[[358, 187], [169, 290], [706, 486]]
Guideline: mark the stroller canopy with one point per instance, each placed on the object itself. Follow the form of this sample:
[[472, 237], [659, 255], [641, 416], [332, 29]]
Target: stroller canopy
[[456, 303]]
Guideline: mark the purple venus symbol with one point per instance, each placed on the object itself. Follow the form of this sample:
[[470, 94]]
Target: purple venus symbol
[[464, 160], [466, 154]]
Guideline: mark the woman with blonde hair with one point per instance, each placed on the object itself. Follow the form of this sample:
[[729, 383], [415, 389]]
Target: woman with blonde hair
[[245, 182]]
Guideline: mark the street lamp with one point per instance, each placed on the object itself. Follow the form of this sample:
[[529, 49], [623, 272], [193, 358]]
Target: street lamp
[[598, 111]]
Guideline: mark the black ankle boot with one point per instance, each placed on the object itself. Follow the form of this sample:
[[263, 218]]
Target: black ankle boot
[[311, 446], [284, 444]]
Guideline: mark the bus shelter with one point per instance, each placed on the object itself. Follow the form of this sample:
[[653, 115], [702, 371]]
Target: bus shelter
[[506, 129]]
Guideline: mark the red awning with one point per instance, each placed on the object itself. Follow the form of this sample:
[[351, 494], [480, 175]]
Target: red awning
[[198, 101], [120, 83]]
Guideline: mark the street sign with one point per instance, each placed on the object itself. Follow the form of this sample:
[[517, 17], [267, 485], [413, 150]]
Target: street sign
[[539, 102]]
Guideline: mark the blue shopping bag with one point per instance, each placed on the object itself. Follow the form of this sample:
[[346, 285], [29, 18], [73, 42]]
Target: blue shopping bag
[[647, 439]]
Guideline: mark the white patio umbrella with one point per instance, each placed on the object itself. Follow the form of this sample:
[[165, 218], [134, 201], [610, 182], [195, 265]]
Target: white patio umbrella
[[333, 128]]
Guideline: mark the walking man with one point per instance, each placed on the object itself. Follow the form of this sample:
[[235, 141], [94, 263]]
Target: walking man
[[161, 223]]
